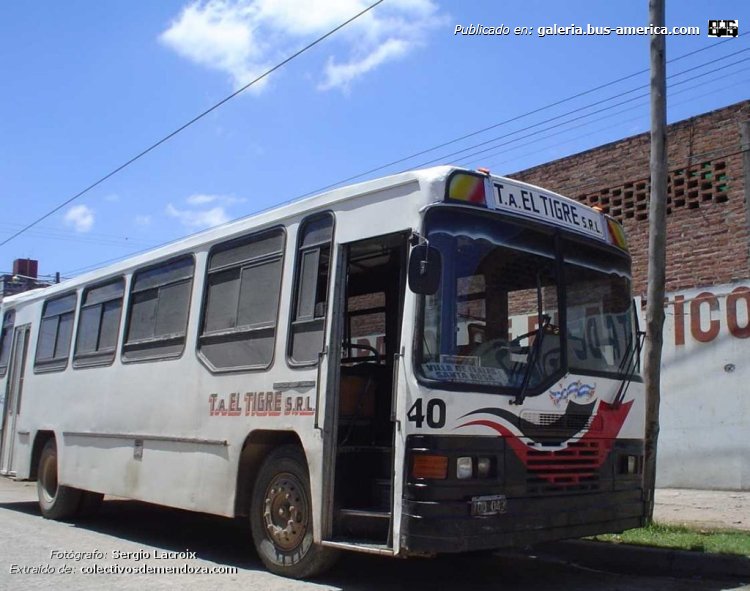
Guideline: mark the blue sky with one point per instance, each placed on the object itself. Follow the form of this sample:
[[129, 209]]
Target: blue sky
[[87, 85]]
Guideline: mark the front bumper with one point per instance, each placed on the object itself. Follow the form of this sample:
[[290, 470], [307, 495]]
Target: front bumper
[[567, 497], [433, 527]]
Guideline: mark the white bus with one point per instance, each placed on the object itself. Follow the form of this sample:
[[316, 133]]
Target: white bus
[[437, 361]]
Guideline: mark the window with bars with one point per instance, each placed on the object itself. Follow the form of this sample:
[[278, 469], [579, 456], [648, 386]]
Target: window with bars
[[311, 289], [158, 310], [55, 332], [6, 340], [243, 286], [99, 324]]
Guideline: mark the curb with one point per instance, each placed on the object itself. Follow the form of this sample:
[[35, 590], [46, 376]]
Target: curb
[[647, 560]]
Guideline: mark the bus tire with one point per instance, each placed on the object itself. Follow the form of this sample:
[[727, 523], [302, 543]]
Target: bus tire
[[55, 500], [281, 517]]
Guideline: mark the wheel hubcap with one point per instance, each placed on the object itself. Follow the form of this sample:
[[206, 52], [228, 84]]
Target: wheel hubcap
[[285, 511], [48, 477]]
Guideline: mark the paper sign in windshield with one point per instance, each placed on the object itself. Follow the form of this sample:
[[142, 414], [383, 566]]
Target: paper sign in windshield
[[456, 372]]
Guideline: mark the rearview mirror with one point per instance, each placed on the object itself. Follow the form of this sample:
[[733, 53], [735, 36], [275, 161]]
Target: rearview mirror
[[425, 264]]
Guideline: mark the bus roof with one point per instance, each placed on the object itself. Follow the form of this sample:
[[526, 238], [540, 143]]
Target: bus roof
[[278, 214]]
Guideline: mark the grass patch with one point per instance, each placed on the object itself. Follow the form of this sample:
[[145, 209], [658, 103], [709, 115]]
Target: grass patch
[[683, 538]]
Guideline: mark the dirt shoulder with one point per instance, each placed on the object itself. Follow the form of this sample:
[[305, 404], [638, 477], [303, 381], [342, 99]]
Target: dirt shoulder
[[710, 509]]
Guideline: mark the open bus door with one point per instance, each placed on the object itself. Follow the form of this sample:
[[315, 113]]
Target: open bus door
[[365, 347], [12, 405]]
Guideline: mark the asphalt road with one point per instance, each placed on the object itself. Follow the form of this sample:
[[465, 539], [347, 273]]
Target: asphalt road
[[30, 543]]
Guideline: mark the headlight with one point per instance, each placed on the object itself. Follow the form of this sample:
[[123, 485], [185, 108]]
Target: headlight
[[483, 467], [464, 468]]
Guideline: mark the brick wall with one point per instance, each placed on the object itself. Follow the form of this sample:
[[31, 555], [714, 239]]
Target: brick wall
[[707, 235]]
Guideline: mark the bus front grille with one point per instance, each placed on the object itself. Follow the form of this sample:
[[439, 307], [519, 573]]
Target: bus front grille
[[575, 468]]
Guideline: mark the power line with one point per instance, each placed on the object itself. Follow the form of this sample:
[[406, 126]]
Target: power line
[[92, 241], [506, 121], [583, 108], [40, 276], [579, 109], [477, 132], [494, 163], [72, 236], [191, 122], [79, 270]]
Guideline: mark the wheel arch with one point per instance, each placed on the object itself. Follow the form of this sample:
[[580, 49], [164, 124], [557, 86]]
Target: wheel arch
[[257, 445], [40, 440]]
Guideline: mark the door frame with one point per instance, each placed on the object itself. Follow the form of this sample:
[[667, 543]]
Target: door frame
[[332, 372], [13, 396]]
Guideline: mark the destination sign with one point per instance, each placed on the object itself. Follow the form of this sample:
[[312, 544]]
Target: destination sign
[[549, 208]]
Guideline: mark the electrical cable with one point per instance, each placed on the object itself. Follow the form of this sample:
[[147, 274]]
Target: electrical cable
[[506, 121], [473, 133], [469, 162], [579, 109], [189, 123], [72, 236]]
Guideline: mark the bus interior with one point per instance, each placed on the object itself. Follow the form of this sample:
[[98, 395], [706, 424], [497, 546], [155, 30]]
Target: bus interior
[[372, 311]]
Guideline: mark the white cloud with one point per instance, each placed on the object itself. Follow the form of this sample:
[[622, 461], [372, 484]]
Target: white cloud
[[80, 218], [199, 219], [342, 74], [216, 34], [243, 38], [142, 220], [199, 199], [112, 197], [203, 199], [202, 210]]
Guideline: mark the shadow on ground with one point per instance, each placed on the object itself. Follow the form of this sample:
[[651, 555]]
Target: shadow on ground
[[227, 541]]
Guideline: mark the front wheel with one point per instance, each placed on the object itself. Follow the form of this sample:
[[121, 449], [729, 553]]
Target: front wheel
[[55, 500], [281, 517]]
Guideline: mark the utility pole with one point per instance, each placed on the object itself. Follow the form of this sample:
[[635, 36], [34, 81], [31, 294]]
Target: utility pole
[[745, 144], [657, 248]]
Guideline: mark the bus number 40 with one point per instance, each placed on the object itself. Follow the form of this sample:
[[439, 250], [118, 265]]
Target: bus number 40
[[435, 416]]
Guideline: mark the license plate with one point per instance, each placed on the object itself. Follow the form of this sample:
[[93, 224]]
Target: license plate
[[489, 505]]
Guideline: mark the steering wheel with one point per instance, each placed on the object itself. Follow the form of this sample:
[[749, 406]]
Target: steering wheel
[[549, 329], [516, 342], [495, 353], [548, 361], [376, 356]]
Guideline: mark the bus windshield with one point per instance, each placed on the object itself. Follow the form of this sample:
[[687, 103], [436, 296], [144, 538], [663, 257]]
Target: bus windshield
[[495, 322], [599, 315]]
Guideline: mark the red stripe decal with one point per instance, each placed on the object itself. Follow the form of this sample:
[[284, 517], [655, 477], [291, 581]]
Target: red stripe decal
[[579, 458]]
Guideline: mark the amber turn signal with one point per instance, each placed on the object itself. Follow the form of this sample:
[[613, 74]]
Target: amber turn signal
[[435, 467]]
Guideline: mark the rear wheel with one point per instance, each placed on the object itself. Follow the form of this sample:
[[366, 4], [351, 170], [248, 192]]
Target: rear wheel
[[55, 500], [281, 517]]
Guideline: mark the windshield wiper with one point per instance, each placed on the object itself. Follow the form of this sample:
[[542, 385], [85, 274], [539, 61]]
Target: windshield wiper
[[536, 347], [630, 361]]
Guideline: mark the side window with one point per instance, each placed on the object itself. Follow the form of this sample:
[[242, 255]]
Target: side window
[[55, 332], [99, 324], [311, 289], [158, 310], [6, 339], [241, 303]]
